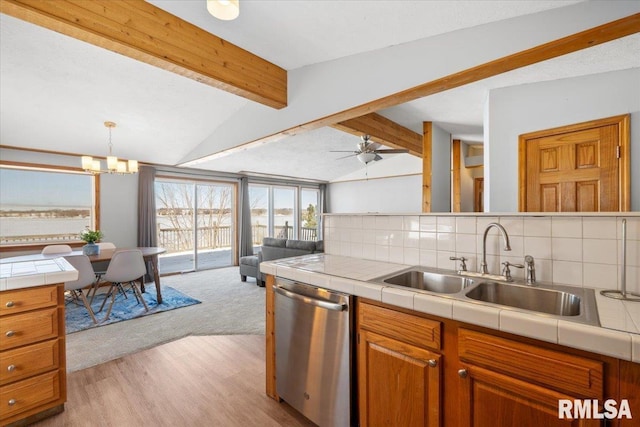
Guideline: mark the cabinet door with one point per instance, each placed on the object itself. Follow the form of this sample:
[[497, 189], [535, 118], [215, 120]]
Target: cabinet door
[[489, 399], [398, 383]]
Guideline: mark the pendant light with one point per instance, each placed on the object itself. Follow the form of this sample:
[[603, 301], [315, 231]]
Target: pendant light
[[114, 165]]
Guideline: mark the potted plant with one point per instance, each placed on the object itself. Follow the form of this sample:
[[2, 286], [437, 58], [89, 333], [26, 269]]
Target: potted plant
[[91, 237]]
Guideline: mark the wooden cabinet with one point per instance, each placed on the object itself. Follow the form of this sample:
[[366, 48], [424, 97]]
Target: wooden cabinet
[[421, 370], [32, 353], [415, 369], [399, 373], [507, 383]]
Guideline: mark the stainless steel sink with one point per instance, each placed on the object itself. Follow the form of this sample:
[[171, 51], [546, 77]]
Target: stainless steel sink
[[559, 301], [429, 281], [541, 300]]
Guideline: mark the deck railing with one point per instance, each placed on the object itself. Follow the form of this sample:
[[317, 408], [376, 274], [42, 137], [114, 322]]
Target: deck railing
[[39, 238], [181, 239]]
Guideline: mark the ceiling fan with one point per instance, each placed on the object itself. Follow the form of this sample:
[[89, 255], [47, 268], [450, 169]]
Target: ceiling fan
[[368, 151]]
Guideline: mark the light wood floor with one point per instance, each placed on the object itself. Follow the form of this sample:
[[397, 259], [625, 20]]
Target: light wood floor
[[194, 381]]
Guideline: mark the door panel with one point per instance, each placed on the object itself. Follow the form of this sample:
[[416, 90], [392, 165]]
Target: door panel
[[494, 400], [572, 169], [397, 384]]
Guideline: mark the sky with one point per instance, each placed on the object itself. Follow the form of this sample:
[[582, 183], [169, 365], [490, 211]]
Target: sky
[[21, 188]]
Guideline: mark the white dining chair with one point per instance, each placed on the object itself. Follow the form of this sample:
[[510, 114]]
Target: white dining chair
[[125, 268], [86, 278], [101, 267], [56, 249]]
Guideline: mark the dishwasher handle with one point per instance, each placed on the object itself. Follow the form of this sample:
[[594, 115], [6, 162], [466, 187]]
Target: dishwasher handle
[[308, 300]]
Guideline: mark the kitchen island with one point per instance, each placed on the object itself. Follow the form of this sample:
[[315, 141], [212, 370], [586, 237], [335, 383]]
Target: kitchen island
[[476, 361], [32, 339]]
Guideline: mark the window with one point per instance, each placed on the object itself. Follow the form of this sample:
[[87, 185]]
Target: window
[[309, 215], [284, 207], [283, 211], [45, 205], [196, 224]]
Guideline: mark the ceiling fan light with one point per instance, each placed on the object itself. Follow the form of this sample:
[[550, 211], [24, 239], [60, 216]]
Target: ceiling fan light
[[226, 10], [366, 157]]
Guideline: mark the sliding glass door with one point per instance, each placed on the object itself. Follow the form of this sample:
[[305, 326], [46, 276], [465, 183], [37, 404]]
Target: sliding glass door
[[195, 223], [216, 231]]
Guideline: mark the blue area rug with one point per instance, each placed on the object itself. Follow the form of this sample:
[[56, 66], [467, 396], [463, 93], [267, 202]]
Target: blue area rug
[[78, 319]]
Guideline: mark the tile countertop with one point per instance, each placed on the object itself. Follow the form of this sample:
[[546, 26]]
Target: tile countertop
[[27, 274], [619, 335]]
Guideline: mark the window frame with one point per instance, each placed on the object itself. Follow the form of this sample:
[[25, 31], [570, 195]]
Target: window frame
[[196, 180], [298, 188], [59, 169]]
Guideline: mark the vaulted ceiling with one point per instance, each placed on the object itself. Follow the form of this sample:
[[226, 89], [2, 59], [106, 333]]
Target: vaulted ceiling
[[56, 91]]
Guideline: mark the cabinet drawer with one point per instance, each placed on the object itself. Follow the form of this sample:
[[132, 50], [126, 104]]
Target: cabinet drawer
[[24, 362], [28, 394], [26, 299], [576, 375], [29, 327], [404, 327]]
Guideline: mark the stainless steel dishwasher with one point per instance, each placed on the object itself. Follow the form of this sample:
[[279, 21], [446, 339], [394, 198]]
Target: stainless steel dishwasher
[[314, 352]]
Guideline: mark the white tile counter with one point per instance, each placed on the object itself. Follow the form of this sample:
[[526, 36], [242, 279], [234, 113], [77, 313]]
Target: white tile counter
[[619, 335], [27, 274]]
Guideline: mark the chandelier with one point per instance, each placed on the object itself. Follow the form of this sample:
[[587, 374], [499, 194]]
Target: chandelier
[[114, 165], [227, 10]]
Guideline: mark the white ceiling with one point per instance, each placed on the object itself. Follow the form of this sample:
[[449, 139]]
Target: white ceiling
[[55, 92]]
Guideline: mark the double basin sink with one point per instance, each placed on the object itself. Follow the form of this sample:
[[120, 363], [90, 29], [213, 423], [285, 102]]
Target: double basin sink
[[566, 302]]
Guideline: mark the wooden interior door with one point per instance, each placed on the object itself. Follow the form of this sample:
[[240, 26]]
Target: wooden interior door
[[577, 168]]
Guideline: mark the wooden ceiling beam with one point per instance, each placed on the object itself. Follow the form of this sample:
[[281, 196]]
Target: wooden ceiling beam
[[384, 131], [572, 43], [146, 33]]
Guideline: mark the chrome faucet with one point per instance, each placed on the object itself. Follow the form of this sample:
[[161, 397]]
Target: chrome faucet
[[505, 238], [531, 269]]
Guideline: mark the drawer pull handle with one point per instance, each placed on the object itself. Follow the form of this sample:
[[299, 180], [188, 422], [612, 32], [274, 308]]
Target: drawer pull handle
[[11, 368], [12, 402], [462, 373], [10, 333], [433, 363], [9, 304]]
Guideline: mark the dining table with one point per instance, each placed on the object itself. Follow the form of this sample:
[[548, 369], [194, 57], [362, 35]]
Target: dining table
[[149, 253]]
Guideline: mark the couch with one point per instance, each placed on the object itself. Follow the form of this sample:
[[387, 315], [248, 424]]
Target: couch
[[271, 249]]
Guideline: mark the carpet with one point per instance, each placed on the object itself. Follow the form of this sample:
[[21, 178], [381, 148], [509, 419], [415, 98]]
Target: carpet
[[78, 319], [228, 307]]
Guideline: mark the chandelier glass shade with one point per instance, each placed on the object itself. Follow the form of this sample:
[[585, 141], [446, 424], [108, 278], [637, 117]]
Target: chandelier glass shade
[[114, 165], [226, 10]]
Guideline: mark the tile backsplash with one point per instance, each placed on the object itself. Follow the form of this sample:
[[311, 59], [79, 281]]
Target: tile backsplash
[[574, 250]]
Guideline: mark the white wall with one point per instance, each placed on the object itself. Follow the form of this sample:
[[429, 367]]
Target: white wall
[[440, 171], [389, 195], [118, 196], [521, 109], [119, 209]]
